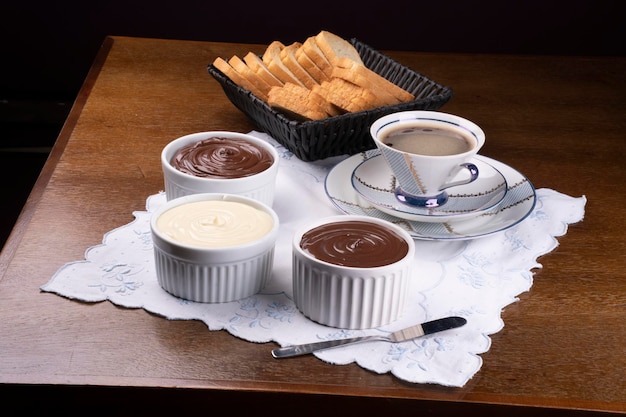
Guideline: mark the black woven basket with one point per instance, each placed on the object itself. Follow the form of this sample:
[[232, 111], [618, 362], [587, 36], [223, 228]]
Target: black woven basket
[[339, 135]]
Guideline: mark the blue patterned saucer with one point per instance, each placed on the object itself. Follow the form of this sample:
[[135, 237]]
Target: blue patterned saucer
[[518, 203], [375, 182]]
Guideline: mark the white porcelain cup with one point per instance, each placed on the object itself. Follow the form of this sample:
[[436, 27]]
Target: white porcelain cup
[[425, 150]]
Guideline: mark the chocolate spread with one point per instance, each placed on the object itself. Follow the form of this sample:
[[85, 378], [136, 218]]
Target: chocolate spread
[[222, 158], [355, 243]]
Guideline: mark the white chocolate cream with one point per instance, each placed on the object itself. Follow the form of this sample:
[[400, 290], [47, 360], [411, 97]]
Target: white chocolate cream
[[215, 223]]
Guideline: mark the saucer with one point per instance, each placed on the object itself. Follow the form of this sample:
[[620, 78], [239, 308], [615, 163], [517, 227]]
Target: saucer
[[516, 205], [375, 182]]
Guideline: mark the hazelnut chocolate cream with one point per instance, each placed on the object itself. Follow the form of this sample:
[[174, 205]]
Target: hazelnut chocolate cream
[[354, 244], [222, 158]]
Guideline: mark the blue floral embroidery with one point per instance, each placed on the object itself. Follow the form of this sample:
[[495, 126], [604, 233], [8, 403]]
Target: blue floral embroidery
[[539, 215], [421, 347], [285, 154], [515, 241], [406, 351], [340, 334], [472, 277], [249, 304], [280, 311], [443, 344], [396, 352], [424, 351], [478, 260], [118, 276], [247, 311], [251, 313], [145, 237]]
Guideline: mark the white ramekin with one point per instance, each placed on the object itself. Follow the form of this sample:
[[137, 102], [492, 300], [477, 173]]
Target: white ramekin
[[213, 275], [260, 186], [350, 297]]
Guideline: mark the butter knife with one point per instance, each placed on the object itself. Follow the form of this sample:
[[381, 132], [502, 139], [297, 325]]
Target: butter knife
[[409, 333]]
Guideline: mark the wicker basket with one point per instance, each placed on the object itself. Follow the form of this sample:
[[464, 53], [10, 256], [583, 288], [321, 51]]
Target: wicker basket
[[339, 135]]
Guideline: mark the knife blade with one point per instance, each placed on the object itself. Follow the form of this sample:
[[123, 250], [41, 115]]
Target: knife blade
[[408, 333]]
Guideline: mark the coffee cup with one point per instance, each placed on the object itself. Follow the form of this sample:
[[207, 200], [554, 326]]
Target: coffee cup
[[428, 152]]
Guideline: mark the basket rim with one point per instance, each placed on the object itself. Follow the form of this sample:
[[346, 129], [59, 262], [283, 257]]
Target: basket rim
[[346, 133], [447, 93]]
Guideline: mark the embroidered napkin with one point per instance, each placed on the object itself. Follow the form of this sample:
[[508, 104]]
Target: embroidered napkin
[[475, 279]]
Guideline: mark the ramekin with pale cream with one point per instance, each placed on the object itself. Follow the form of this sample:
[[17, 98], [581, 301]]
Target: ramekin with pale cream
[[351, 271], [213, 247], [220, 162]]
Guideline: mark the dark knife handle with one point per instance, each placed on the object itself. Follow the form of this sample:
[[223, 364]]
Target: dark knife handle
[[445, 323]]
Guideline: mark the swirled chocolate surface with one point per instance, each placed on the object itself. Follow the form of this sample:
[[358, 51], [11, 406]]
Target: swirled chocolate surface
[[222, 158], [355, 243]]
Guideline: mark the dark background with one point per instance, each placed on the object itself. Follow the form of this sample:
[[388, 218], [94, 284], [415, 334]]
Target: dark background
[[47, 47]]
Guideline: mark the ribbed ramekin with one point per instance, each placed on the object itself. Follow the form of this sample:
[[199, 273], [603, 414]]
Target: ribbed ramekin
[[259, 186], [350, 297], [213, 275]]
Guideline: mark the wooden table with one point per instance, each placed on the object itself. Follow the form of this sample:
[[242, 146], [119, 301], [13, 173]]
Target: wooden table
[[559, 120]]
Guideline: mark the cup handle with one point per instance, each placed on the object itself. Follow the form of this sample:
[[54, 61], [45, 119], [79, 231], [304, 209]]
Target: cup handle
[[473, 170]]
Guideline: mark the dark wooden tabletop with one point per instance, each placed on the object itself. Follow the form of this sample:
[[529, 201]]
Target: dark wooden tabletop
[[559, 120]]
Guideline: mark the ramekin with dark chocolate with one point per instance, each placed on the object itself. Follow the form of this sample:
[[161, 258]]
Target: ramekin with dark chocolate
[[220, 162], [352, 272]]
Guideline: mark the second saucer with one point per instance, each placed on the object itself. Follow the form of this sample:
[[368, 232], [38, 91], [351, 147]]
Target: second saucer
[[375, 182]]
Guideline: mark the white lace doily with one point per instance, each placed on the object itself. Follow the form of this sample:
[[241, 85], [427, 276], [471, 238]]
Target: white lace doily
[[475, 279]]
